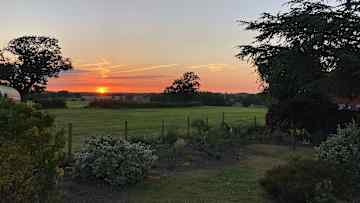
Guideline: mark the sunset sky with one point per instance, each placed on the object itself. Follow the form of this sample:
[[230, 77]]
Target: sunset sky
[[142, 45]]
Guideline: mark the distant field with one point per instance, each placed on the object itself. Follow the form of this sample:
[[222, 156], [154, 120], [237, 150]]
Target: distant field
[[147, 122]]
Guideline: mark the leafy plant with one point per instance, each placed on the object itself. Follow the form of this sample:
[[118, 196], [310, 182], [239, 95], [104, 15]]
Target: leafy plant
[[200, 125], [317, 115], [214, 142], [302, 181], [170, 137], [343, 149], [115, 161], [30, 153]]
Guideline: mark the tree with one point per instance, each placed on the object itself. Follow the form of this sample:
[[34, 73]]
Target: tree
[[186, 87], [31, 61], [310, 49], [187, 84]]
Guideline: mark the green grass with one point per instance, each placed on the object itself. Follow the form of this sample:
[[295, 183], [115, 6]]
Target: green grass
[[147, 122], [236, 183], [76, 104]]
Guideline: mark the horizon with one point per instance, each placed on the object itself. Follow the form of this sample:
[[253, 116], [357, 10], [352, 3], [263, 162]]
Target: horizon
[[140, 46]]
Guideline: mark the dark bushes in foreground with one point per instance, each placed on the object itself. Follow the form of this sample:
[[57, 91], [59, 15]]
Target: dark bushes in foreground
[[30, 154], [302, 181], [318, 116], [343, 149]]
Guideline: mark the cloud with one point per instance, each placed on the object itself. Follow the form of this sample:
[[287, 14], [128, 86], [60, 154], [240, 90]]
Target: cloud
[[147, 68], [136, 77], [89, 65], [105, 68], [214, 67]]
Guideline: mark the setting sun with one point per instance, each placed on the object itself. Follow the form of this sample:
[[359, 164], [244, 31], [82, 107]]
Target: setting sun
[[102, 90]]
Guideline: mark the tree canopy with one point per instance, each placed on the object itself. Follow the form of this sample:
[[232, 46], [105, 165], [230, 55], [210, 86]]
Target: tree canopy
[[312, 48], [30, 61], [183, 89], [186, 87]]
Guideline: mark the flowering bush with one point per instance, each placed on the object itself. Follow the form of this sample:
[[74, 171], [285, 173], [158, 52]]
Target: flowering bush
[[343, 148], [114, 161]]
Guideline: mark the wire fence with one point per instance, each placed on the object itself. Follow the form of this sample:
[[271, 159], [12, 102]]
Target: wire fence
[[77, 133]]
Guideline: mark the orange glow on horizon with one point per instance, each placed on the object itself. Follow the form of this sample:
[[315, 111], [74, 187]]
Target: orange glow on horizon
[[102, 90]]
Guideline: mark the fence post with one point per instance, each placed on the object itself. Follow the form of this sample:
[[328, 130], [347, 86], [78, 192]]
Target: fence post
[[223, 119], [126, 130], [70, 127], [162, 128], [255, 122], [188, 126], [207, 122]]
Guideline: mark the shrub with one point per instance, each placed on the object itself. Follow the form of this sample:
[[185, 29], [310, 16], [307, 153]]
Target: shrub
[[51, 103], [152, 140], [343, 149], [302, 181], [170, 137], [200, 125], [214, 142], [115, 161], [317, 115], [29, 153]]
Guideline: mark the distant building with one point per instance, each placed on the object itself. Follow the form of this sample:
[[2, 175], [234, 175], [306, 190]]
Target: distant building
[[141, 99], [10, 93]]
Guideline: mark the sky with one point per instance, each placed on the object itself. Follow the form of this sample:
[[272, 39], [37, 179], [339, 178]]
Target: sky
[[142, 45]]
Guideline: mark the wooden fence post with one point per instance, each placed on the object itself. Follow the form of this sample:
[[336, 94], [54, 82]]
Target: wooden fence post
[[162, 128], [255, 122], [70, 128], [126, 130], [188, 126], [223, 119], [207, 122]]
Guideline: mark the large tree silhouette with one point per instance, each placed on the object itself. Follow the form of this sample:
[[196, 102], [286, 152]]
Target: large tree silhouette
[[30, 61], [312, 48]]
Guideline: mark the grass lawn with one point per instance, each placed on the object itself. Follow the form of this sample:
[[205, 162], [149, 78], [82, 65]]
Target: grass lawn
[[147, 122], [235, 183]]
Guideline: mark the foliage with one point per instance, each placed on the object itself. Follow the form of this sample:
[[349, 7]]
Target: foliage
[[117, 104], [200, 125], [186, 87], [33, 60], [253, 99], [214, 141], [170, 137], [51, 103], [214, 99], [343, 149], [115, 161], [302, 181], [29, 153], [312, 47], [317, 115]]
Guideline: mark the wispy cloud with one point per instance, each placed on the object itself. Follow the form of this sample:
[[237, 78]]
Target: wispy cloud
[[104, 68], [136, 77], [214, 67], [89, 65], [148, 68]]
